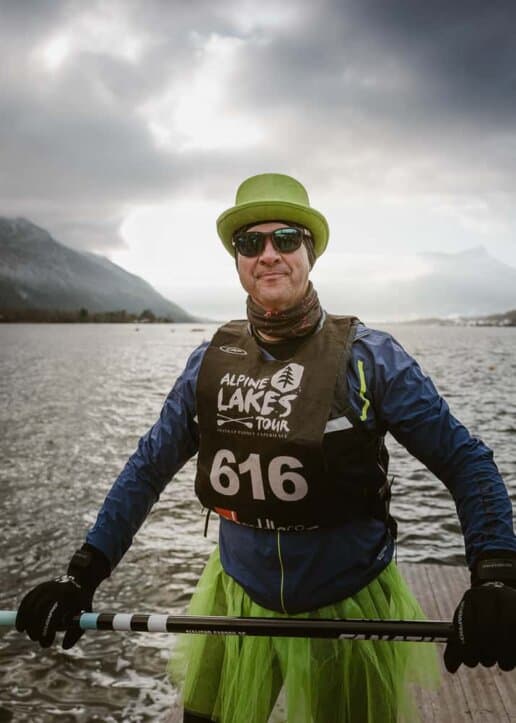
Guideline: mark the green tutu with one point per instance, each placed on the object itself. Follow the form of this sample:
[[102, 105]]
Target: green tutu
[[237, 679]]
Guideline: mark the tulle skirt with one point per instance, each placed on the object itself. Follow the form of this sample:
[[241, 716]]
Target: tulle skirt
[[240, 679]]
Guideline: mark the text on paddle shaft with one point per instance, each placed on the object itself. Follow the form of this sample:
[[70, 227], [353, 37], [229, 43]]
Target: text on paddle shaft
[[282, 479]]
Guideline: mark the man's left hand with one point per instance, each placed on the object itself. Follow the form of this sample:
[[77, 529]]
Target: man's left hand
[[485, 628]]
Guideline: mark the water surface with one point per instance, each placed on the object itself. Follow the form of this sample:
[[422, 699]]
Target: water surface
[[74, 401]]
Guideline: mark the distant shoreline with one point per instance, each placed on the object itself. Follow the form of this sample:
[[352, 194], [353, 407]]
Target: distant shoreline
[[507, 319], [83, 316]]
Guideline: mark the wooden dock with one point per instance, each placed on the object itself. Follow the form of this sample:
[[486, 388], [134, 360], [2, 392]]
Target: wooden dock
[[472, 695], [482, 695]]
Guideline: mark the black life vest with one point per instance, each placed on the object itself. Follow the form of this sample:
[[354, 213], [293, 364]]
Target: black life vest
[[280, 447]]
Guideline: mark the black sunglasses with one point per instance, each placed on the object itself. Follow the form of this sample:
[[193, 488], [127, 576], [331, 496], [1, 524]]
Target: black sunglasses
[[285, 240]]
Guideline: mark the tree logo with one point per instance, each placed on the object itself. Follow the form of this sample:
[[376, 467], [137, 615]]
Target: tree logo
[[288, 378]]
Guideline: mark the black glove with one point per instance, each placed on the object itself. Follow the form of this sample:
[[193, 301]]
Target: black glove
[[51, 605], [485, 619]]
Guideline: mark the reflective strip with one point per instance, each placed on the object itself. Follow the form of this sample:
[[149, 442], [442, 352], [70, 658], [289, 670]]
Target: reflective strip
[[122, 621], [337, 424], [363, 390], [157, 624]]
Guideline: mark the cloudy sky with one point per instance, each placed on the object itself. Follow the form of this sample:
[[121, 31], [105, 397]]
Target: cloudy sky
[[125, 128]]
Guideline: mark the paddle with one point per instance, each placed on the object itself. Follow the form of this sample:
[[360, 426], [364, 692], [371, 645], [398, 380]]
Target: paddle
[[402, 630]]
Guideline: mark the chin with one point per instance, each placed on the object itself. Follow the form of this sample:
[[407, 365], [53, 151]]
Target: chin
[[275, 299], [275, 304]]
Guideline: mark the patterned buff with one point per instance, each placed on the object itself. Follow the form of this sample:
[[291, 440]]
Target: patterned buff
[[290, 323]]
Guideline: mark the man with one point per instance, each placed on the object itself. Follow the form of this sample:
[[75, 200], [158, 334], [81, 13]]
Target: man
[[288, 412]]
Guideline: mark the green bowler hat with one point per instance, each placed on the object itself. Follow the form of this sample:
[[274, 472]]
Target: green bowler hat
[[272, 197]]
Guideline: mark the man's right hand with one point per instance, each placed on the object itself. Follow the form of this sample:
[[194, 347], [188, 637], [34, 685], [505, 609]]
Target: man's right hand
[[51, 605]]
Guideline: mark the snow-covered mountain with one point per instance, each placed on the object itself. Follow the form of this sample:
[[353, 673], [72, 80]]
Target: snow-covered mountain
[[37, 272]]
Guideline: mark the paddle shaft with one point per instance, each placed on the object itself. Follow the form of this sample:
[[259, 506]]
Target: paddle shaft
[[396, 630]]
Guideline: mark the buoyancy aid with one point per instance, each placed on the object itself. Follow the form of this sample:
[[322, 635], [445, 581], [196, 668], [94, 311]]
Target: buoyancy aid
[[280, 446]]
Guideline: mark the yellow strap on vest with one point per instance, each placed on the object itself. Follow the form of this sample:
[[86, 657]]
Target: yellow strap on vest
[[363, 390]]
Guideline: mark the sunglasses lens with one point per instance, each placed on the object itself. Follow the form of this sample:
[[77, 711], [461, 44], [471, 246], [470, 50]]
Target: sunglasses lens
[[252, 243], [288, 239], [249, 243]]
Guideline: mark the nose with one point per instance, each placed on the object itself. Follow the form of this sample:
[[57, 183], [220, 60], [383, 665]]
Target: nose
[[269, 254]]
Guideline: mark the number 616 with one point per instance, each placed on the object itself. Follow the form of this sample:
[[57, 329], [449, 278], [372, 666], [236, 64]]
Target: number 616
[[284, 482]]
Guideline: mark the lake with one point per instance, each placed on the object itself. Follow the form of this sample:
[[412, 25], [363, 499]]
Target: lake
[[74, 401]]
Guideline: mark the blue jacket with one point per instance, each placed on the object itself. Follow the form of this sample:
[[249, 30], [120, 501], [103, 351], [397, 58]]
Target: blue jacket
[[296, 571]]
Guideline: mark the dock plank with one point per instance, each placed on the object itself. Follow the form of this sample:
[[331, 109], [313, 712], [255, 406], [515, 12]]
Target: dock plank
[[482, 695], [435, 705], [472, 695]]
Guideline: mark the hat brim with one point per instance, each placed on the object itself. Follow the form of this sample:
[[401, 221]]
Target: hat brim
[[261, 211]]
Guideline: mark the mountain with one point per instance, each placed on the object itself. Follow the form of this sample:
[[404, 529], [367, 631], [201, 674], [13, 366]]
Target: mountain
[[37, 272], [469, 283]]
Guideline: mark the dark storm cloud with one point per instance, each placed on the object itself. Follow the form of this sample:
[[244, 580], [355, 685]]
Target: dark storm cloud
[[412, 61], [464, 52], [356, 94], [73, 145], [421, 91]]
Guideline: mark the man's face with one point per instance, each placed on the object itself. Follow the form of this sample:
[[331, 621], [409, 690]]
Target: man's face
[[275, 281]]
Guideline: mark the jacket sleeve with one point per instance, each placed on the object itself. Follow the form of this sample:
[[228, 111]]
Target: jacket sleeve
[[405, 402], [161, 452]]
